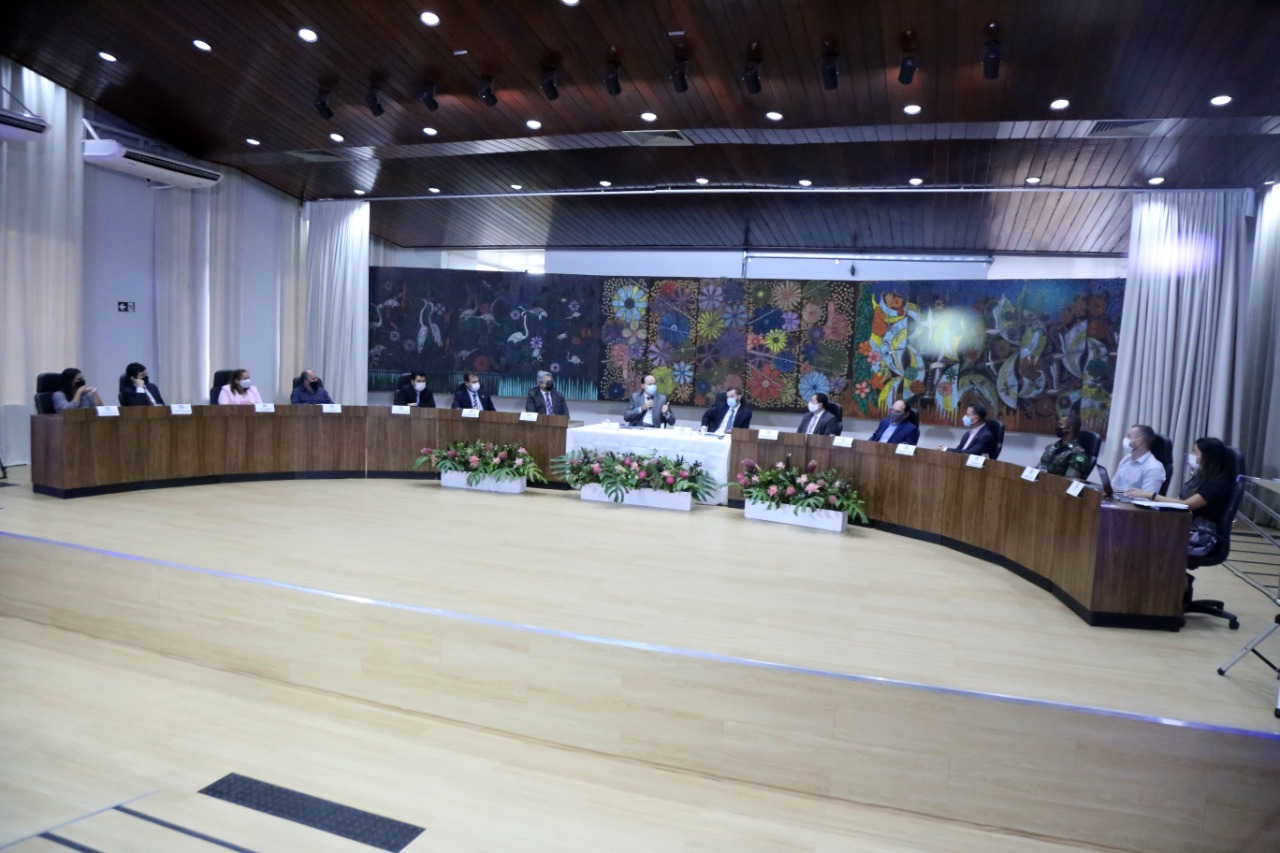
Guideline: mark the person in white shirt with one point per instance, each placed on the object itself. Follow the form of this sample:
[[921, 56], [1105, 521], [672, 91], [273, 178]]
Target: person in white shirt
[[1139, 468], [648, 408]]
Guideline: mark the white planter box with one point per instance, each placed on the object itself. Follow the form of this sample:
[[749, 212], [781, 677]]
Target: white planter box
[[458, 480], [682, 501], [822, 519]]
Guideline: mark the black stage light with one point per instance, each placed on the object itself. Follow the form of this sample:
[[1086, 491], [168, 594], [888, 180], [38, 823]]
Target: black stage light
[[751, 75], [322, 104], [907, 70], [613, 78], [371, 101], [549, 84], [830, 71], [680, 74], [428, 97], [486, 91], [991, 52]]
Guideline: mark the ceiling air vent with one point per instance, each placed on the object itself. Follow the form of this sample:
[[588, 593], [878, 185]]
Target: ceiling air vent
[[321, 155], [1135, 129], [656, 138]]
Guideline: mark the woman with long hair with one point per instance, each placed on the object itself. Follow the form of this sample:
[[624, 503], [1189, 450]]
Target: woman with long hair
[[240, 391], [75, 393]]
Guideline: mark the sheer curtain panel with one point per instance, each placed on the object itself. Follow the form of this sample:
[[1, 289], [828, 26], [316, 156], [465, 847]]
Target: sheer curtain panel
[[337, 344]]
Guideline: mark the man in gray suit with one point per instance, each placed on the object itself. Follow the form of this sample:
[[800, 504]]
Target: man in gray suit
[[649, 408]]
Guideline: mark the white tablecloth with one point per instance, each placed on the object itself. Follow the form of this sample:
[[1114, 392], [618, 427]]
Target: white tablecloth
[[712, 452]]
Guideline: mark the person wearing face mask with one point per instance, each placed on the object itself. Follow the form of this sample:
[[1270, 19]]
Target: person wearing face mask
[[1139, 469], [240, 391], [897, 428], [471, 396], [309, 390], [1208, 493], [978, 439], [721, 418], [648, 408], [1065, 457], [819, 421], [416, 393], [544, 398], [136, 389], [75, 393]]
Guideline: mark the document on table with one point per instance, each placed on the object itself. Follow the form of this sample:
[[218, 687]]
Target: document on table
[[1159, 504]]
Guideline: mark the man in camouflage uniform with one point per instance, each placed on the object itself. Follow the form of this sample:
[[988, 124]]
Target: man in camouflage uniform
[[1066, 457]]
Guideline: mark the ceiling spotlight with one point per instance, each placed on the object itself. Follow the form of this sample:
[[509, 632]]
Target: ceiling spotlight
[[991, 52], [773, 115], [915, 182], [805, 182], [701, 181], [907, 70], [309, 36], [428, 97], [912, 109], [358, 192], [252, 141], [431, 19], [430, 131], [371, 101], [830, 70], [751, 75], [108, 57], [680, 74], [649, 116], [1033, 180], [1060, 104], [1155, 182], [533, 124], [549, 84], [486, 91], [433, 190], [606, 183], [322, 104], [1220, 100], [1269, 183], [336, 137], [570, 2], [202, 45], [613, 78], [516, 187]]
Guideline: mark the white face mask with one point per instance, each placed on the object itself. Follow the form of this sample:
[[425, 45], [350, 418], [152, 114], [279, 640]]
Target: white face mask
[[1128, 445], [815, 407], [651, 390], [474, 386], [1191, 461], [732, 401], [419, 386], [246, 383], [967, 421]]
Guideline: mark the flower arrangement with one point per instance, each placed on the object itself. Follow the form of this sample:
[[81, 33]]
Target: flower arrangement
[[784, 484], [480, 459], [619, 473]]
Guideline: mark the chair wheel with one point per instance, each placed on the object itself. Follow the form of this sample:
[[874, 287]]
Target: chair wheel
[[1222, 672], [1234, 624]]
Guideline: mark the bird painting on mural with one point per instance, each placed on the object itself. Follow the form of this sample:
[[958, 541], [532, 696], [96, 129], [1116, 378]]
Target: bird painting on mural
[[517, 337], [573, 359], [428, 326], [562, 336]]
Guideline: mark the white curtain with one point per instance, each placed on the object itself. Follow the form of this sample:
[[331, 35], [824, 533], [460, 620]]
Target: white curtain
[[337, 343], [41, 230], [182, 292], [1177, 353], [1258, 435]]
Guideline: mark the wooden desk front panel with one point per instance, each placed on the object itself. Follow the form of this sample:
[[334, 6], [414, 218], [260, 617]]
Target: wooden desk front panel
[[1141, 560], [236, 440], [331, 442], [392, 441], [747, 445]]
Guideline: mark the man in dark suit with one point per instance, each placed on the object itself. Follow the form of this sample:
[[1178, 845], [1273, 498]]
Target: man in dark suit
[[136, 389], [724, 416], [471, 396], [819, 421], [897, 428], [416, 393], [648, 408], [979, 439], [544, 398]]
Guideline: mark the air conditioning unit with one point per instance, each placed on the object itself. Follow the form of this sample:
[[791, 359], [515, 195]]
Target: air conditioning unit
[[20, 127], [110, 154]]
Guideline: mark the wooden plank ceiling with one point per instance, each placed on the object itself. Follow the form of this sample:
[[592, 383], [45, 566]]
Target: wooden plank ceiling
[[1112, 59]]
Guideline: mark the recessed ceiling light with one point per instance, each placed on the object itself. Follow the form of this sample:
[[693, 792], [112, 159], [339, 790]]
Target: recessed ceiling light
[[307, 35], [1155, 182], [203, 45], [533, 124], [702, 181], [773, 115], [516, 187], [805, 182], [336, 137], [570, 2], [359, 192], [433, 189], [1033, 180], [431, 19], [1270, 182], [1060, 104], [602, 183], [649, 116], [912, 109], [1220, 100], [430, 131], [915, 182], [252, 141], [108, 57]]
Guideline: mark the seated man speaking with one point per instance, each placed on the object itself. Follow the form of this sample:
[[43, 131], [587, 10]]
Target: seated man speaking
[[649, 408]]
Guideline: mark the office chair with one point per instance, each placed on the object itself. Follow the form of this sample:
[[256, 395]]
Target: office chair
[[404, 380], [220, 378], [1220, 551], [1162, 449], [124, 386], [46, 384], [721, 397], [998, 428], [1092, 443], [837, 410]]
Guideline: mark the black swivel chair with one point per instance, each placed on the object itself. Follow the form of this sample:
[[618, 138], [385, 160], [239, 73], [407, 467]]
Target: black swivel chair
[[1092, 444], [837, 410], [721, 396], [124, 386], [998, 428], [220, 378], [1162, 449], [1220, 552], [46, 384]]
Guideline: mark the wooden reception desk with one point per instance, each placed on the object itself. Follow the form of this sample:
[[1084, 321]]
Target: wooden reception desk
[[1113, 564]]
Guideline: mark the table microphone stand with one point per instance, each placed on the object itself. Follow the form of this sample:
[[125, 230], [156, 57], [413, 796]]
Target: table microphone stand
[[1252, 646]]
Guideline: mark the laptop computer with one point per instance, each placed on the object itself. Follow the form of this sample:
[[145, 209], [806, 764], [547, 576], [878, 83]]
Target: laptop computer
[[1107, 489]]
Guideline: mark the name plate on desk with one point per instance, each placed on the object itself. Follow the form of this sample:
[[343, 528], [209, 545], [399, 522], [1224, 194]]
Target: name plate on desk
[[471, 413], [905, 449], [1031, 474], [530, 417], [842, 441], [399, 410], [331, 408], [108, 411], [1075, 489], [976, 460], [767, 434], [179, 408], [269, 408]]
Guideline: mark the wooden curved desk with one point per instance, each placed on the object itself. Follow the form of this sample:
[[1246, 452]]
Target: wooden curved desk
[[1113, 564]]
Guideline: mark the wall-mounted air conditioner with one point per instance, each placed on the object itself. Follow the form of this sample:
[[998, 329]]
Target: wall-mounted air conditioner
[[21, 127], [110, 154]]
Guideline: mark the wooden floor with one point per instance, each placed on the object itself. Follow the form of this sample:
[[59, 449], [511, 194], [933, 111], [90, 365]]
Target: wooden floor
[[87, 723]]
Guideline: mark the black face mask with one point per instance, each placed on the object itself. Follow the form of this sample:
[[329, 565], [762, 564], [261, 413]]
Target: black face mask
[[1059, 432], [79, 383], [896, 417], [142, 379], [550, 386]]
